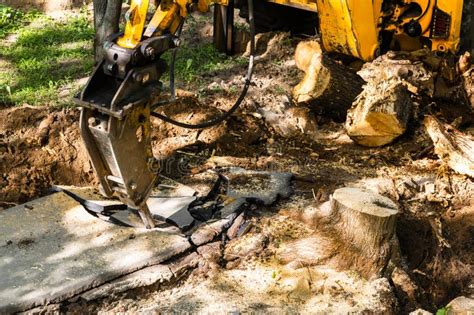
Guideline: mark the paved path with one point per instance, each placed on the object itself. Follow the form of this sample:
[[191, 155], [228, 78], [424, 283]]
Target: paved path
[[52, 249]]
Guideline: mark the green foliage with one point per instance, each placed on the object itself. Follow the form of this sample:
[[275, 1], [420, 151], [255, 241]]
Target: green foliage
[[46, 55], [192, 62], [442, 311], [12, 19]]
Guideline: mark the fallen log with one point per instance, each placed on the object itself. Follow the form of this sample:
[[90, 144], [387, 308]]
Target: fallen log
[[380, 114], [328, 86], [455, 148]]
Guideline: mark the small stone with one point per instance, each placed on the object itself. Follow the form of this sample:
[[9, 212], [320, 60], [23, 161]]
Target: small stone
[[234, 228]]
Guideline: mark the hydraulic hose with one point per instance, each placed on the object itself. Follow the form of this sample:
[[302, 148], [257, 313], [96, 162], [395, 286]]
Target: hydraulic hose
[[248, 79]]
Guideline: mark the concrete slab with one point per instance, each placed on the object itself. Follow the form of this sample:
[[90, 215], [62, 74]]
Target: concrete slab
[[265, 187], [52, 249], [144, 277]]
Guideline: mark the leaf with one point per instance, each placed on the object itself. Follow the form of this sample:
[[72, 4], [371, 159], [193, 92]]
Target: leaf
[[189, 63]]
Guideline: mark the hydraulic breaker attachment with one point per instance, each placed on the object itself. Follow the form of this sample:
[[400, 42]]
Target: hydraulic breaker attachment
[[115, 120]]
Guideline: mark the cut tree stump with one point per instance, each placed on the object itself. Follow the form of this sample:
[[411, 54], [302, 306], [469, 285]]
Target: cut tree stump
[[356, 232], [380, 114], [455, 148], [365, 224], [327, 86]]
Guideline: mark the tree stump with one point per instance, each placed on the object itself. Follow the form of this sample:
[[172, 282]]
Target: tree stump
[[380, 114], [455, 148], [356, 232], [327, 86], [364, 223]]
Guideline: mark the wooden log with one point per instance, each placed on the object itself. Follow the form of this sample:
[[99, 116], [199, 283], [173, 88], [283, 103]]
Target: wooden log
[[410, 68], [328, 86], [380, 114], [455, 148], [365, 225]]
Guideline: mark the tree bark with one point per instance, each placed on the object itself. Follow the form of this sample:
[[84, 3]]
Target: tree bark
[[355, 231], [365, 224], [455, 148], [328, 86], [380, 114], [106, 22], [467, 72]]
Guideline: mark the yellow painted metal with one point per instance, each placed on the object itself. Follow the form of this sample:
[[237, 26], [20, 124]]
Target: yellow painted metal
[[350, 26], [136, 18], [451, 43], [427, 9], [309, 5], [163, 18]]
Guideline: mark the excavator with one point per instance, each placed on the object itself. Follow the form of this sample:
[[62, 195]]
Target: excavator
[[124, 90]]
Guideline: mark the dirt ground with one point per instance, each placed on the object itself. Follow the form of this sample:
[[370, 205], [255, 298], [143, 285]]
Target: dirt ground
[[41, 146]]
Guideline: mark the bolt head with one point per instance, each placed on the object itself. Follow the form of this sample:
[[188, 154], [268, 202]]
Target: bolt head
[[149, 52]]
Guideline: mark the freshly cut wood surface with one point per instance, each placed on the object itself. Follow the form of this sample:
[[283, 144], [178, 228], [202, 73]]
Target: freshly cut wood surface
[[365, 222], [380, 114]]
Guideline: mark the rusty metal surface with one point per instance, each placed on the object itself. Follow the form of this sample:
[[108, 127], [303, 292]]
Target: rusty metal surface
[[52, 249]]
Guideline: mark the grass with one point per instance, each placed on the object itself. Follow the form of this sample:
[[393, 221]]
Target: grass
[[44, 56], [192, 62], [41, 57]]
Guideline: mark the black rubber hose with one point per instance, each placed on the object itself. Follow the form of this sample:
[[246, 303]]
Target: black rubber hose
[[217, 120]]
